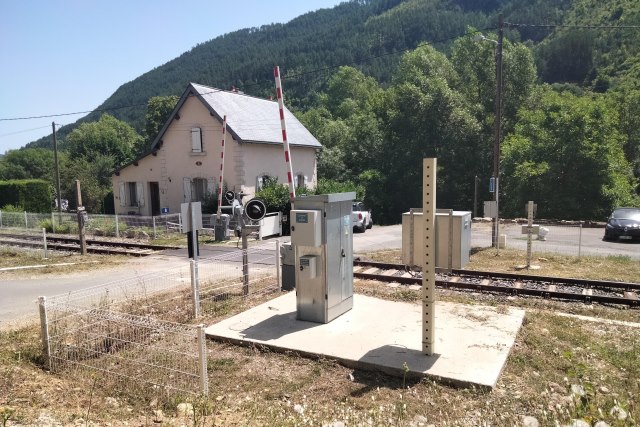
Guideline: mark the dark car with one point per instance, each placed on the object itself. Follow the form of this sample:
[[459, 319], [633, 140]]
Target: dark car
[[624, 223]]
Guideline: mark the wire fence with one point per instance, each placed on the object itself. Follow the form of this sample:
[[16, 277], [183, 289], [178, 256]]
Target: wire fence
[[129, 226], [569, 239], [137, 333]]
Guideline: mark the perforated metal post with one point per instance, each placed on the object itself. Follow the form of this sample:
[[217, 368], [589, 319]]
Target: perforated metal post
[[195, 288], [429, 248], [117, 227], [202, 353]]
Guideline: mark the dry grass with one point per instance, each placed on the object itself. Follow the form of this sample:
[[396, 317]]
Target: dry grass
[[18, 257], [254, 386]]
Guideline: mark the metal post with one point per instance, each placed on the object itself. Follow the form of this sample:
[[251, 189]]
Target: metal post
[[194, 232], [117, 227], [278, 265], [26, 224], [0, 219], [497, 130], [55, 158], [245, 262], [53, 223], [153, 219], [44, 330], [411, 237], [44, 241], [450, 250], [428, 264], [80, 209], [195, 288], [202, 355], [580, 242], [529, 230], [180, 222]]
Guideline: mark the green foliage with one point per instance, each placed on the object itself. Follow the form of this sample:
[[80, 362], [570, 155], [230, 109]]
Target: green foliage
[[106, 137], [31, 195], [32, 163], [329, 186], [95, 181], [158, 110], [11, 208], [567, 154], [275, 196]]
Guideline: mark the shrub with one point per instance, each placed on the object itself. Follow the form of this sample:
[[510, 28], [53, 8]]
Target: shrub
[[31, 195]]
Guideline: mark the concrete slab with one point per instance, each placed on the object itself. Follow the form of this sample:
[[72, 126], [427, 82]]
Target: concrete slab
[[472, 342]]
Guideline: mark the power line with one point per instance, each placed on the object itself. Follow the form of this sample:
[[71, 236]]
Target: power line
[[22, 131]]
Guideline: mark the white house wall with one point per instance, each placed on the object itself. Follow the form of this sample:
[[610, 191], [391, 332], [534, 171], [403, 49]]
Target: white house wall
[[174, 162]]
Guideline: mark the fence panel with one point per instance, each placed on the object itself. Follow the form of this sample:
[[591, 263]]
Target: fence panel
[[125, 350]]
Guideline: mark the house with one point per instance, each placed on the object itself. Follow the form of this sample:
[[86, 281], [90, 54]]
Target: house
[[184, 161]]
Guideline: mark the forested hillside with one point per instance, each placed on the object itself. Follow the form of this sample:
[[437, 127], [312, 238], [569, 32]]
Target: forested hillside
[[383, 83]]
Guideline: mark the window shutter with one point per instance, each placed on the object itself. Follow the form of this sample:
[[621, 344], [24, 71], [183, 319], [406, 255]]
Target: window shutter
[[196, 140], [123, 195], [306, 181], [259, 182], [140, 193], [187, 189]]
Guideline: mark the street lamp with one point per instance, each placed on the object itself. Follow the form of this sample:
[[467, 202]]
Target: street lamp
[[496, 126]]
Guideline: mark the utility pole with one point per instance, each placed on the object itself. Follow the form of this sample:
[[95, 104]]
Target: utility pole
[[55, 157], [497, 131]]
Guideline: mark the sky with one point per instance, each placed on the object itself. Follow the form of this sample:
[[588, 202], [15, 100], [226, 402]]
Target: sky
[[68, 56]]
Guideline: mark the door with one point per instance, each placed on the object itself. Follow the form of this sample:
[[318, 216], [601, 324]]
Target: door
[[154, 194]]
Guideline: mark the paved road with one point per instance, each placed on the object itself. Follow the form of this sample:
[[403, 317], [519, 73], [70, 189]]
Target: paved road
[[19, 293]]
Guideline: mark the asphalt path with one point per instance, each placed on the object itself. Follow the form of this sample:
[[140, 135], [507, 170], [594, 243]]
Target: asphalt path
[[19, 291]]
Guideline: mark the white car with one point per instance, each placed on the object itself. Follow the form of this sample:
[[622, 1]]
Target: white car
[[361, 218]]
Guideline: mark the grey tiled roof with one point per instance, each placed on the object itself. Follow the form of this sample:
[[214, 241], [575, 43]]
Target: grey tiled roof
[[254, 119]]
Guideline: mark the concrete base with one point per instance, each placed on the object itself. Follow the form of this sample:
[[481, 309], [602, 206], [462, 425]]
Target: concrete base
[[472, 342]]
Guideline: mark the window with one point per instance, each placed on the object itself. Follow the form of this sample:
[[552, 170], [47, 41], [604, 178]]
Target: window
[[265, 180], [132, 194], [196, 140], [198, 189], [301, 181]]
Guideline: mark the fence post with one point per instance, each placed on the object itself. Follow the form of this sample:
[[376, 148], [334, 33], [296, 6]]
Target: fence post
[[44, 241], [195, 288], [180, 222], [117, 227], [580, 241], [53, 223], [0, 219], [44, 330], [153, 218], [26, 225], [202, 353]]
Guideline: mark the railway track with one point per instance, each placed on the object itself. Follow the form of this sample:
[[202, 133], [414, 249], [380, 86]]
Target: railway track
[[71, 244], [584, 290]]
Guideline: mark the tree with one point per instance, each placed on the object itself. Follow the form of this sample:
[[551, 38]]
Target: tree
[[567, 154], [158, 110], [107, 137], [30, 163], [426, 117], [95, 181]]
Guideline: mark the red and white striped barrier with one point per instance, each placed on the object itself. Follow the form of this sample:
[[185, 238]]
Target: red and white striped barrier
[[224, 135], [283, 124]]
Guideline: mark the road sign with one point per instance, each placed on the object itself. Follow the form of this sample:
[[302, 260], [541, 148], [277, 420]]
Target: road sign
[[492, 185], [165, 211]]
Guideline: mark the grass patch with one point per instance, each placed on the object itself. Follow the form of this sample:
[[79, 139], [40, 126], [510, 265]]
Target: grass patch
[[19, 257]]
